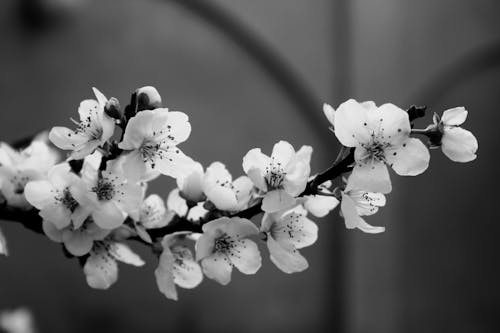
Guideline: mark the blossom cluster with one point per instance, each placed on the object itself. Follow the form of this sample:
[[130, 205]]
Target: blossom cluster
[[96, 198]]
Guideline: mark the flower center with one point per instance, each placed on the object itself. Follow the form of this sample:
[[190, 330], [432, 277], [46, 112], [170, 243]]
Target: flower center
[[275, 174], [224, 244], [67, 200], [104, 189]]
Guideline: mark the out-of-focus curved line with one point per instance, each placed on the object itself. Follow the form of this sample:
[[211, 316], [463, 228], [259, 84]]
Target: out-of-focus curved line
[[265, 56], [473, 63]]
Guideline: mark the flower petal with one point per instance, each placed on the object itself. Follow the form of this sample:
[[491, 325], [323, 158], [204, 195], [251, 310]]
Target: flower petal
[[320, 205], [101, 270], [222, 197], [100, 97], [459, 145], [153, 212], [217, 185], [367, 203], [277, 200], [296, 178], [245, 256], [243, 188], [237, 227], [353, 220], [294, 229], [133, 165], [108, 216], [40, 193], [123, 253], [52, 232], [56, 213], [282, 154], [329, 112], [176, 203], [351, 124], [370, 176], [165, 276], [217, 267], [255, 159], [204, 245], [454, 117], [257, 178], [286, 257], [177, 127], [173, 163], [187, 272], [390, 122], [67, 139], [191, 185], [410, 158], [77, 242]]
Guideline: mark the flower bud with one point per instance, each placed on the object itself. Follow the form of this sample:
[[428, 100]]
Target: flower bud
[[148, 98], [112, 108]]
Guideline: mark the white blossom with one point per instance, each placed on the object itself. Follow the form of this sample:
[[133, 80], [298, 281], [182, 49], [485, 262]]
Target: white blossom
[[19, 168], [101, 267], [77, 240], [152, 215], [176, 266], [223, 192], [224, 244], [380, 136], [281, 177], [54, 197], [287, 232], [94, 129], [110, 196], [356, 203], [151, 137], [458, 144]]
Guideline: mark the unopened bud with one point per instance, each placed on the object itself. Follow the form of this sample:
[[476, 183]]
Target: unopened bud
[[148, 98], [112, 108]]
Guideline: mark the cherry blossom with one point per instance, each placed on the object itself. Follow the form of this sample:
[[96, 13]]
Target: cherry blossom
[[3, 244], [54, 197], [110, 196], [223, 192], [152, 215], [101, 267], [176, 266], [380, 136], [458, 144], [77, 240], [151, 137], [19, 168], [356, 203], [288, 231], [281, 177], [224, 244], [94, 129], [320, 205]]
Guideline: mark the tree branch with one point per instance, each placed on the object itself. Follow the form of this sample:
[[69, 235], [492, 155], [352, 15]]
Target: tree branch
[[31, 220]]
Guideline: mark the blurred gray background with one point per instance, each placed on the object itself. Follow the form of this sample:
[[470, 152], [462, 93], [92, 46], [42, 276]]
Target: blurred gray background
[[250, 73]]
